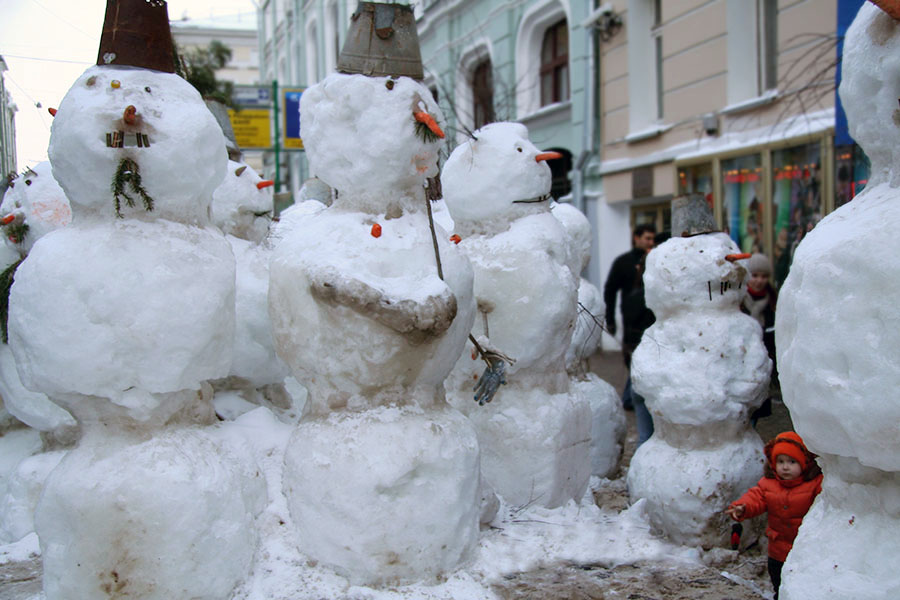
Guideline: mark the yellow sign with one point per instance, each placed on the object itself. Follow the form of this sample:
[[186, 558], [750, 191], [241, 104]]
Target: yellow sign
[[252, 127]]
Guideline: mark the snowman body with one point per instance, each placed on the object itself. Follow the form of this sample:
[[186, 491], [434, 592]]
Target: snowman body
[[121, 317], [838, 359], [702, 368], [535, 434], [365, 321], [608, 425]]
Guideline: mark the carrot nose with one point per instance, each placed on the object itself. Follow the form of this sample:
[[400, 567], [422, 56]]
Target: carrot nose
[[428, 120], [130, 114], [8, 219], [547, 156], [52, 112], [264, 184], [734, 257]]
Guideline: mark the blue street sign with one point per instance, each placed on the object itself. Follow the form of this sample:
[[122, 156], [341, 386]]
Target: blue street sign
[[292, 118]]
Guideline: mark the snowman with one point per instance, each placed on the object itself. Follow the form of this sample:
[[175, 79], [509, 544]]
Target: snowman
[[382, 475], [121, 317], [702, 369], [33, 206], [535, 435], [838, 357], [608, 425], [242, 208]]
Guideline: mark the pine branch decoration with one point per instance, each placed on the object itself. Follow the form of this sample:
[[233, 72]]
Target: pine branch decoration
[[16, 232], [6, 281], [427, 135], [129, 174]]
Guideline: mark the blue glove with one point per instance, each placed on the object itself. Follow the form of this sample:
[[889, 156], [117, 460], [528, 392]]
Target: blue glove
[[493, 377]]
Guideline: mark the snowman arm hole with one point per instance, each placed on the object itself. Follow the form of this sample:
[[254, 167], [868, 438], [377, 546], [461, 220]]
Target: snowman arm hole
[[418, 319]]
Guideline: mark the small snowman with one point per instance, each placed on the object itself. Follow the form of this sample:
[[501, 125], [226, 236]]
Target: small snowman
[[121, 317], [33, 206], [608, 425], [382, 475], [702, 368], [535, 435], [838, 356], [242, 208]]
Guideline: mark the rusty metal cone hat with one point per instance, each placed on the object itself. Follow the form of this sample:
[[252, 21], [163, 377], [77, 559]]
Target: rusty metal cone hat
[[692, 215], [136, 34], [891, 7], [382, 42]]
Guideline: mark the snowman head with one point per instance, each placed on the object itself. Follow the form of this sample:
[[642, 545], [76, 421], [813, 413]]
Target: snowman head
[[371, 136], [242, 204], [33, 206], [700, 272], [126, 135], [496, 177], [870, 89]]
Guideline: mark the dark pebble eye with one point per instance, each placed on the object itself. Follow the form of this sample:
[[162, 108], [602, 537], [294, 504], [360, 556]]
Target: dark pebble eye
[[389, 84], [147, 89]]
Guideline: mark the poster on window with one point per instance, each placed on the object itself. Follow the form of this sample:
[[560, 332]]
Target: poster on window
[[796, 201], [742, 202]]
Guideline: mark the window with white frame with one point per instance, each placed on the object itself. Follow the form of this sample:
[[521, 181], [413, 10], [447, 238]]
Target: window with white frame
[[752, 50], [554, 70], [332, 37], [473, 107], [312, 54], [645, 68], [542, 71]]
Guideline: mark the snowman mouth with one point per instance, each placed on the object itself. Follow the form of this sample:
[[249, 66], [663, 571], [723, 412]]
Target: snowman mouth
[[120, 139], [543, 198]]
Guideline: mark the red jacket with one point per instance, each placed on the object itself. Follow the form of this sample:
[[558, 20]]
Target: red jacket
[[787, 502]]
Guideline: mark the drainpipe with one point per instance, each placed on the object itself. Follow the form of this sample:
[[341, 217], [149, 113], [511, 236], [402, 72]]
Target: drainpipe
[[587, 130]]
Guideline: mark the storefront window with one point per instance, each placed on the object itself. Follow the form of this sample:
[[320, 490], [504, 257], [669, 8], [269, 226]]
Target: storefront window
[[796, 201], [743, 201], [696, 179], [852, 173]]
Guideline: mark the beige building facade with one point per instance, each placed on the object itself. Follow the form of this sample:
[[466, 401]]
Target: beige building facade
[[730, 98]]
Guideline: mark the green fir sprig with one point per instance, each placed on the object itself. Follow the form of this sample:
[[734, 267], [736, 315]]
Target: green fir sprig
[[427, 135], [16, 232], [129, 174], [6, 282]]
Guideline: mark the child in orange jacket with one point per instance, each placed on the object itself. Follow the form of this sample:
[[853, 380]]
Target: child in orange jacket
[[791, 482]]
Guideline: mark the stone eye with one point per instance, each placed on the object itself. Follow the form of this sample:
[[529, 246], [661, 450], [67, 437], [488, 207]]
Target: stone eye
[[147, 89], [114, 84], [91, 80], [389, 84], [519, 149]]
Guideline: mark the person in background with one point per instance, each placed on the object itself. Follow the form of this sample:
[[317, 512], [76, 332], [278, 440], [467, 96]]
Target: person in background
[[621, 277], [636, 313], [759, 303], [791, 482]]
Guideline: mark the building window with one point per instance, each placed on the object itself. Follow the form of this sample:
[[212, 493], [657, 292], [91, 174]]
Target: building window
[[656, 34], [645, 66], [554, 71], [768, 45], [482, 94], [742, 201], [796, 201], [752, 50], [559, 171]]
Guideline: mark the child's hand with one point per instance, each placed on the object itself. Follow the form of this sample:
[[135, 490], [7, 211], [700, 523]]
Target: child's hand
[[736, 511]]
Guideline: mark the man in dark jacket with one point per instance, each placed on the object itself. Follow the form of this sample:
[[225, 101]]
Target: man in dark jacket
[[622, 275]]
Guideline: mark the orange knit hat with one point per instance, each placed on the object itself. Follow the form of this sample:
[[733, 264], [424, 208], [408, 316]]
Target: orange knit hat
[[791, 444]]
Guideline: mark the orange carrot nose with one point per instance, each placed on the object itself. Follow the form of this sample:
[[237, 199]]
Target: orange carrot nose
[[7, 219], [130, 114], [428, 120], [547, 156], [734, 257], [264, 184], [52, 112]]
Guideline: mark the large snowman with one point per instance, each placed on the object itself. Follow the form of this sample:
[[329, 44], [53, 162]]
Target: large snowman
[[121, 317], [535, 434], [702, 369], [382, 476], [838, 356]]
